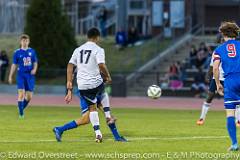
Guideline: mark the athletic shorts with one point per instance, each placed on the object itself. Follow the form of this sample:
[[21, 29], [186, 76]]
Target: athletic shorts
[[89, 97], [213, 86], [232, 91], [25, 81]]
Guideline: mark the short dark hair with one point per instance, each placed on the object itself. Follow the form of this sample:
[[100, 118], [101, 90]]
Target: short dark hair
[[229, 29], [93, 33], [24, 36]]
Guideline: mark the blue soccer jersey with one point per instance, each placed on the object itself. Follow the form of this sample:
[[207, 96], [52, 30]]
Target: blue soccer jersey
[[229, 54], [25, 60]]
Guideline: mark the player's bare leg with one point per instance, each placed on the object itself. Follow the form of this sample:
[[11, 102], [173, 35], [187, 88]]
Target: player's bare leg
[[21, 94], [58, 131], [27, 99], [84, 119], [205, 108]]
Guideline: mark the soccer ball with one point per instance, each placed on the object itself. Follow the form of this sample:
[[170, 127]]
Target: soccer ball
[[154, 91]]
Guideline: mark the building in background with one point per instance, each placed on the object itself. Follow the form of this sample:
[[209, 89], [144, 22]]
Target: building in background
[[149, 17], [12, 16], [211, 13]]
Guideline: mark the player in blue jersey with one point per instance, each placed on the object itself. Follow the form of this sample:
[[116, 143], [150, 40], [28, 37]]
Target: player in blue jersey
[[229, 55], [26, 63]]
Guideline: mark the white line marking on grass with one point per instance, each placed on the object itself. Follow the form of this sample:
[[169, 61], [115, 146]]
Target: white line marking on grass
[[109, 139]]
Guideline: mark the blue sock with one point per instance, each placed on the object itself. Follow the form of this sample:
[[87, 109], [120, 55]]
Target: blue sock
[[106, 109], [96, 127], [114, 130], [25, 103], [68, 126], [231, 126], [20, 108]]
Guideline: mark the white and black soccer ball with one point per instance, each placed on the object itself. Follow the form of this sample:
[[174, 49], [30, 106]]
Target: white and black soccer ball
[[154, 91]]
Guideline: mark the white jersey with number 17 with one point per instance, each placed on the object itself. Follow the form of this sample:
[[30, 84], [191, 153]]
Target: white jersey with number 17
[[86, 58]]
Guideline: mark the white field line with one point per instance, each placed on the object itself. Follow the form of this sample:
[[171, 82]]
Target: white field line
[[109, 139]]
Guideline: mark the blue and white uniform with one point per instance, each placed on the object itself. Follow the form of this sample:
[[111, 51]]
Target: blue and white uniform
[[90, 83], [25, 60], [228, 54]]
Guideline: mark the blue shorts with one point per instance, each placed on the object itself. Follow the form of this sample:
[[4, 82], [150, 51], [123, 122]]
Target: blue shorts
[[213, 86], [89, 97], [232, 91], [25, 81]]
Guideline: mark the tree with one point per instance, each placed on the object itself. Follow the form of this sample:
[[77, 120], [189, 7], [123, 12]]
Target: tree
[[51, 33]]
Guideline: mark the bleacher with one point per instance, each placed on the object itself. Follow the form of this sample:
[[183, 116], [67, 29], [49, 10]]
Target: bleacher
[[158, 71]]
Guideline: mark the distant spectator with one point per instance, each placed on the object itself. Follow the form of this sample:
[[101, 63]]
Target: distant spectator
[[203, 47], [4, 62], [201, 58], [174, 76], [164, 81], [174, 70], [132, 36], [182, 68], [193, 55], [102, 21], [176, 84], [208, 58], [199, 86], [121, 38]]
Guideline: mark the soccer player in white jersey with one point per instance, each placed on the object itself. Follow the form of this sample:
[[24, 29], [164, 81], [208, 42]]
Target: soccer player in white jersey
[[211, 94], [89, 59]]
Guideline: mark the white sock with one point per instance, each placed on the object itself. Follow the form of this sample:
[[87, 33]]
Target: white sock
[[237, 113], [205, 108], [106, 104], [94, 119], [107, 114]]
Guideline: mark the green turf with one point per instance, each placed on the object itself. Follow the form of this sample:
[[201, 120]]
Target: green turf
[[24, 135]]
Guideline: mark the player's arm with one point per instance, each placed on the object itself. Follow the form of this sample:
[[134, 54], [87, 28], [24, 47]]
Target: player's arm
[[35, 67], [13, 67], [216, 73], [210, 70], [35, 63], [69, 86], [12, 70], [105, 73], [102, 66], [70, 67], [210, 73]]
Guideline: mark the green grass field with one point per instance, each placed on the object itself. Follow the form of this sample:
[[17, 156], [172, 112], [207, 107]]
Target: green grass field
[[118, 60], [170, 134]]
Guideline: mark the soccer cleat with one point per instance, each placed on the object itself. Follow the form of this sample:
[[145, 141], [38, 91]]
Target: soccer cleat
[[238, 123], [200, 122], [98, 139], [58, 134], [121, 139], [233, 148], [21, 116], [111, 120]]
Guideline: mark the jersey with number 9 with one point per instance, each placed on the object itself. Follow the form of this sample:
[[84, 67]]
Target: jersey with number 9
[[228, 53]]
